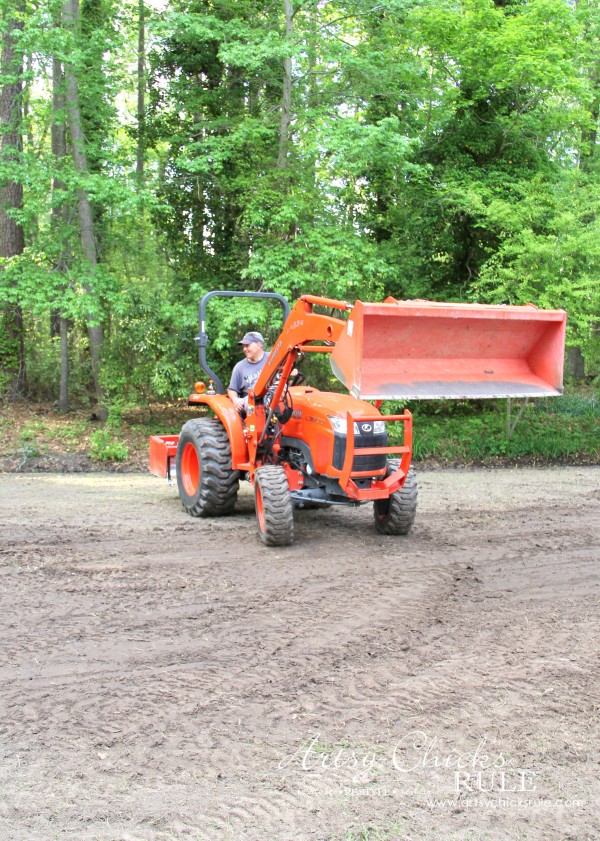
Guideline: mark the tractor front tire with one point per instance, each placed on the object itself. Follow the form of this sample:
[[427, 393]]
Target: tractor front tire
[[274, 509], [396, 514], [207, 485]]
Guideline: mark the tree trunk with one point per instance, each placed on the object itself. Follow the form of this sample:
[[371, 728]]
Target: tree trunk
[[59, 150], [63, 395], [141, 94], [286, 95], [575, 363], [86, 221], [12, 351]]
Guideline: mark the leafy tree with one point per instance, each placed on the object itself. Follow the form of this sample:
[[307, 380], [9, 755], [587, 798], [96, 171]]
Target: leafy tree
[[445, 149]]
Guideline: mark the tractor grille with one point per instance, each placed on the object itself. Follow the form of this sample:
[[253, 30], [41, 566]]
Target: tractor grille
[[374, 463]]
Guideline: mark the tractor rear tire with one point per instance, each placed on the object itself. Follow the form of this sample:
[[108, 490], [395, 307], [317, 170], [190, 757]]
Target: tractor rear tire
[[207, 485], [396, 514], [274, 509]]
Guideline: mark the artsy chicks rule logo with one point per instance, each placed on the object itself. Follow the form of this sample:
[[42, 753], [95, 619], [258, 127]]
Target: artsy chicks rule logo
[[479, 769]]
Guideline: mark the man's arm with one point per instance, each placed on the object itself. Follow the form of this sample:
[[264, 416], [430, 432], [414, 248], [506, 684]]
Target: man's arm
[[233, 388], [238, 402]]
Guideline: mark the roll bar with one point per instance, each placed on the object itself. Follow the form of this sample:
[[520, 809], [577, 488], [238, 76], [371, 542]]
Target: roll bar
[[202, 337]]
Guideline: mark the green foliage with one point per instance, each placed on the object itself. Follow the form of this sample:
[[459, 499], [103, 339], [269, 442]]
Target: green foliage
[[30, 449], [43, 359], [552, 256], [557, 428], [333, 262], [30, 432], [103, 446], [444, 150]]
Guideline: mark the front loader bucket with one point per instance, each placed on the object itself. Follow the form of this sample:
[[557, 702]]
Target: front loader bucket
[[401, 350]]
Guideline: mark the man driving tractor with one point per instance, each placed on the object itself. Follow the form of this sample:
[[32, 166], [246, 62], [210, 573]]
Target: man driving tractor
[[247, 371]]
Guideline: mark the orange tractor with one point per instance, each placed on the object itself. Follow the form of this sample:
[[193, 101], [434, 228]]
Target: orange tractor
[[302, 447]]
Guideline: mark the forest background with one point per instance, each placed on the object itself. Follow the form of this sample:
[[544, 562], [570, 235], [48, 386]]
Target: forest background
[[153, 151]]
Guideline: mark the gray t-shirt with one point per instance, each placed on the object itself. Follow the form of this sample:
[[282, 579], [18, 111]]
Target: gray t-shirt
[[245, 374]]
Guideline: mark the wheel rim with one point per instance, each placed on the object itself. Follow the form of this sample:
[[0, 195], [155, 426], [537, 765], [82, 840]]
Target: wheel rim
[[260, 508], [190, 469]]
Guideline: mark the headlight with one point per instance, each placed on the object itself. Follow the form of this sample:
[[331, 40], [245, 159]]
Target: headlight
[[340, 425]]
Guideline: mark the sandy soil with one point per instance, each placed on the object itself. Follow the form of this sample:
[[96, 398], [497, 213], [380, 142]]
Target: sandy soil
[[169, 678]]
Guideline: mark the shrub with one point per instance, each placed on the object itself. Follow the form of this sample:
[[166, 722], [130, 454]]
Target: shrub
[[105, 447]]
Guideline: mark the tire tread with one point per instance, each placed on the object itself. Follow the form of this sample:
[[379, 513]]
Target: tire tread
[[218, 485], [277, 506], [402, 509]]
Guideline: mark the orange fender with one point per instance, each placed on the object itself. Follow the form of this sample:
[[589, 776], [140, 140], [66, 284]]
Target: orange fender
[[229, 416]]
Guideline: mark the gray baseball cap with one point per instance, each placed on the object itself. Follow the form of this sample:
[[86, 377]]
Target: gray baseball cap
[[253, 336]]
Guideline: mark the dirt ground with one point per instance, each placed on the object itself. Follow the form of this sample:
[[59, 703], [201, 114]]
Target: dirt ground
[[168, 678]]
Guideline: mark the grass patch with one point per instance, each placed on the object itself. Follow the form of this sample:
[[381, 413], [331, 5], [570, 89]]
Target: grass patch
[[30, 450], [563, 428], [572, 405], [31, 431]]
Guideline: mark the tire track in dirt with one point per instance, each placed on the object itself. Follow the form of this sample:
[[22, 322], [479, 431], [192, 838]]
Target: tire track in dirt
[[172, 666]]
